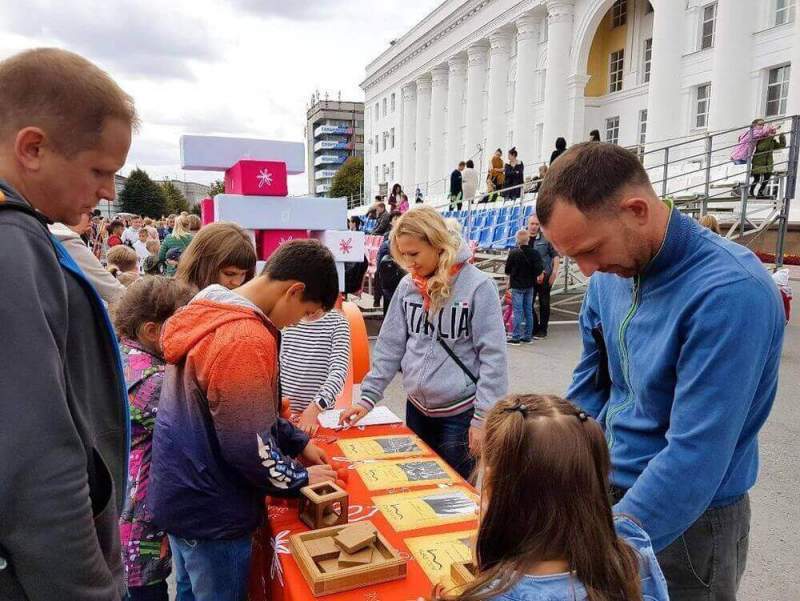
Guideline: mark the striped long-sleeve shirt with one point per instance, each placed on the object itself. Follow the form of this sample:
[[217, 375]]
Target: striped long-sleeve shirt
[[314, 361]]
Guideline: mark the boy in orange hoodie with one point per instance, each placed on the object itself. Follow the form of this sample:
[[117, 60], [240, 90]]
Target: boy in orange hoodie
[[219, 444]]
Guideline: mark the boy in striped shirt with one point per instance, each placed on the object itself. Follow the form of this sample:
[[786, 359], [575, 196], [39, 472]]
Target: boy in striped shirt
[[314, 361]]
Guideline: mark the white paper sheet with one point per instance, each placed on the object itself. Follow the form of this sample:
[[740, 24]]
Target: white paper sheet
[[377, 417]]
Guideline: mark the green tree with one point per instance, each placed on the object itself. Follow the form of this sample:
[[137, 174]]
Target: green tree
[[142, 196], [349, 179], [217, 187], [176, 201]]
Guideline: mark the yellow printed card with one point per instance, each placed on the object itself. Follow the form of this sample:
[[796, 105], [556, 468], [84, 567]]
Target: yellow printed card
[[399, 473], [383, 447], [426, 508], [436, 553]]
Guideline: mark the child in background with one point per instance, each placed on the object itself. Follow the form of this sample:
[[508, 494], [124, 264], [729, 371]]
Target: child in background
[[123, 264], [219, 445], [140, 246], [115, 229], [151, 265], [560, 543], [221, 253], [138, 318], [314, 360]]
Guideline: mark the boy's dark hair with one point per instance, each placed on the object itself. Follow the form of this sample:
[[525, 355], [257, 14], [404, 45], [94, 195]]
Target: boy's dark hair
[[310, 263], [470, 164], [151, 298], [591, 177], [378, 198], [513, 152], [561, 144], [115, 225], [462, 164]]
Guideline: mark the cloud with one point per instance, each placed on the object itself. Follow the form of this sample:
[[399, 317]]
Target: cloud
[[131, 39], [295, 10]]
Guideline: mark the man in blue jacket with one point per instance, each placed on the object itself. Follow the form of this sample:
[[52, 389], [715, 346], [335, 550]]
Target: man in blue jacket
[[65, 130], [681, 395]]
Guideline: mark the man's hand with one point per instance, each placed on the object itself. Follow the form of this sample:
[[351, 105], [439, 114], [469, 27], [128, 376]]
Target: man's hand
[[552, 279], [475, 440], [308, 419], [314, 455], [352, 415], [320, 473]]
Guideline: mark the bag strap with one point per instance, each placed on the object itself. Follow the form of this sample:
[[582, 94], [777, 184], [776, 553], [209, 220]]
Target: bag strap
[[455, 358]]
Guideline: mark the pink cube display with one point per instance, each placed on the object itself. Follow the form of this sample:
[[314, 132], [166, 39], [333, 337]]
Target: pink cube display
[[257, 178], [207, 211], [268, 241]]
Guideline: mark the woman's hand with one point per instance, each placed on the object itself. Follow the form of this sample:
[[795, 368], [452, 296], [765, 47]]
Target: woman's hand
[[352, 415], [475, 440]]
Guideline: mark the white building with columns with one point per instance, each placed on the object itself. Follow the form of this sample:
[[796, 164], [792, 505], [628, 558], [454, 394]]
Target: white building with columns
[[476, 75]]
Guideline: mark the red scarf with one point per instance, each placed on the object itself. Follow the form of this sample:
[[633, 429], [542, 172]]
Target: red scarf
[[421, 282]]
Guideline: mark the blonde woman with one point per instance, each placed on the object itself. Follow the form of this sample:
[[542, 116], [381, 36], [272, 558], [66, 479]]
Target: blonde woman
[[444, 330], [179, 238]]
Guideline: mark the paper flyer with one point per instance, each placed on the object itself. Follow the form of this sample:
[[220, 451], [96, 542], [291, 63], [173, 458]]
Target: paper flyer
[[383, 447], [399, 473], [427, 508], [436, 553]]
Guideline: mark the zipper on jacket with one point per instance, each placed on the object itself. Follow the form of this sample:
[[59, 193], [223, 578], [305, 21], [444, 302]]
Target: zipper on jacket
[[613, 412]]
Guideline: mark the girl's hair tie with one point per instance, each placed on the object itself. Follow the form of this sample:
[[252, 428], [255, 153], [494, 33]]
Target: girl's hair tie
[[523, 409], [582, 416]]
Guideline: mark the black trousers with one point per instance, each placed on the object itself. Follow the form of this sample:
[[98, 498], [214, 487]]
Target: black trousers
[[542, 292], [759, 177], [707, 561]]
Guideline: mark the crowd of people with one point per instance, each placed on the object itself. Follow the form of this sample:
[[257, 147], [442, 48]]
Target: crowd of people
[[144, 443]]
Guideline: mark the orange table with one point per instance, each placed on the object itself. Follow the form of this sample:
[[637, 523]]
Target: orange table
[[276, 576]]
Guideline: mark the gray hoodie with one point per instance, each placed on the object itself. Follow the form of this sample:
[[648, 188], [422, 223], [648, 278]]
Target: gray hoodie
[[470, 323]]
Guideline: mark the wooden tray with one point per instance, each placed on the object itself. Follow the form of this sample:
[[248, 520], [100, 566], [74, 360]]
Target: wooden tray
[[389, 566]]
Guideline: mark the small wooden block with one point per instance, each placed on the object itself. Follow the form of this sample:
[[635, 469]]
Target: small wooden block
[[356, 537], [328, 566], [462, 573], [360, 558], [323, 548]]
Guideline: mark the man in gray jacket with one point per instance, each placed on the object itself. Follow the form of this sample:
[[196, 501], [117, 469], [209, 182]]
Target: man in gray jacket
[[65, 130]]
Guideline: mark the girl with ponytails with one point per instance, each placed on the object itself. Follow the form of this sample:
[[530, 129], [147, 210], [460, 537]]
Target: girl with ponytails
[[444, 331], [546, 529]]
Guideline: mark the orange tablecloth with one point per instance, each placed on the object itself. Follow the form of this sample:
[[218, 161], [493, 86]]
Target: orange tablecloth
[[276, 576]]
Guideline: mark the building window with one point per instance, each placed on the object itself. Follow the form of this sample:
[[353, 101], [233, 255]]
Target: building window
[[707, 26], [377, 179], [615, 71], [393, 102], [777, 91], [703, 106], [648, 58], [612, 130], [619, 13], [784, 11], [392, 137], [384, 107], [391, 171], [384, 140], [377, 111], [642, 127], [377, 145]]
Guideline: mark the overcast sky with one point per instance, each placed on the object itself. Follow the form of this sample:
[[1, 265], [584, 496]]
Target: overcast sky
[[231, 67]]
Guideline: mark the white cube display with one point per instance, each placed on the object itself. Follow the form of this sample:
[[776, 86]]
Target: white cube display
[[218, 153], [281, 213]]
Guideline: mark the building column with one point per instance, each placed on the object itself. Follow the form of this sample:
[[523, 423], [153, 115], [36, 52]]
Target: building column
[[409, 95], [455, 111], [496, 131], [664, 119], [525, 89], [559, 41], [438, 122], [731, 84], [423, 122], [793, 102], [476, 82]]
